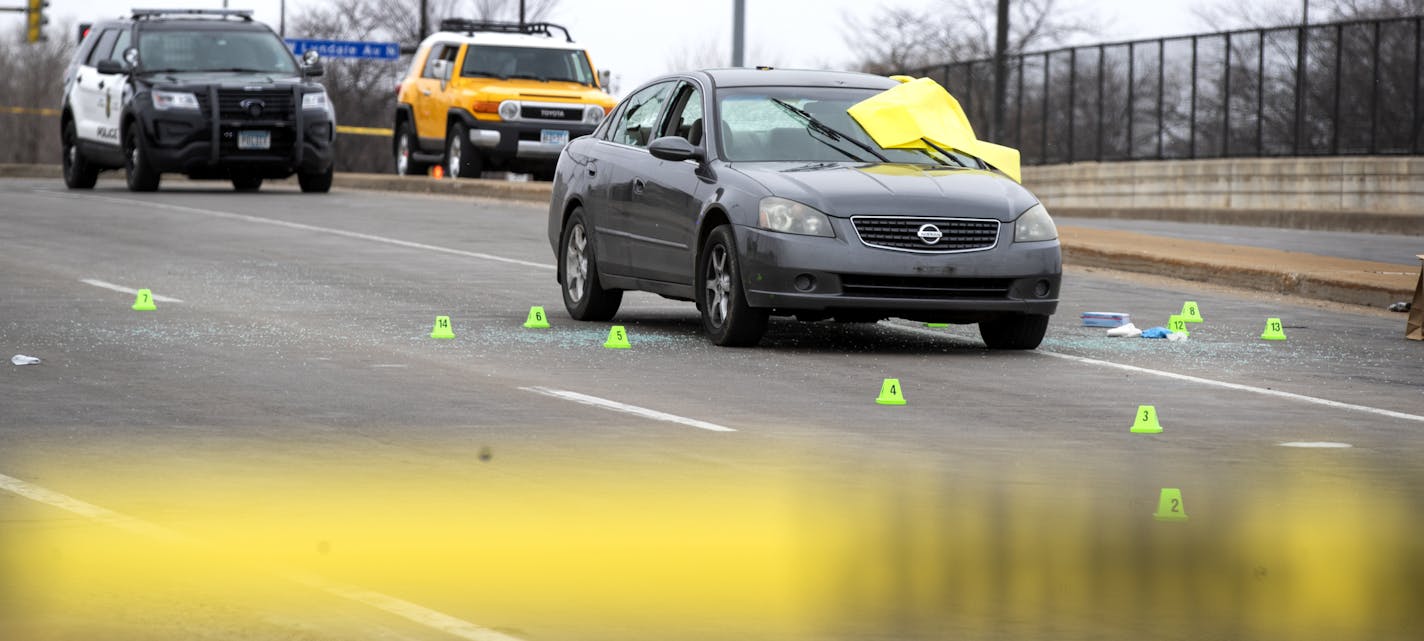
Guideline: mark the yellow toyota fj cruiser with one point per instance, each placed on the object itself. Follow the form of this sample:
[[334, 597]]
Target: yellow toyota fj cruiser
[[492, 95]]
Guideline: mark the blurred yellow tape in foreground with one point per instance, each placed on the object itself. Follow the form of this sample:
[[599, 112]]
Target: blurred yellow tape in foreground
[[904, 116], [364, 131], [37, 111]]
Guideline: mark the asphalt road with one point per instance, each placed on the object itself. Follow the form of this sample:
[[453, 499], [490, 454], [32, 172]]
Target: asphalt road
[[1380, 248], [286, 454]]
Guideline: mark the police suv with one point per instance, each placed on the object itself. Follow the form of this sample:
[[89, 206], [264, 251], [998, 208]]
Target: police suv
[[207, 93]]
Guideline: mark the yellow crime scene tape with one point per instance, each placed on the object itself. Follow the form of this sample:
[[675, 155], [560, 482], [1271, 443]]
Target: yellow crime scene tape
[[341, 129]]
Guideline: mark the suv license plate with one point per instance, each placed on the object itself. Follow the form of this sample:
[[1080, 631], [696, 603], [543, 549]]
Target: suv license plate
[[254, 140], [554, 136]]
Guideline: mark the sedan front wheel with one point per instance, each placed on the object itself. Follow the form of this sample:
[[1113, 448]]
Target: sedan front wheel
[[726, 317], [584, 296]]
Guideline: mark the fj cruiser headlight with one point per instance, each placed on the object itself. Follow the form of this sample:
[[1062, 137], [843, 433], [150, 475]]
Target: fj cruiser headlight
[[791, 217], [165, 100], [593, 114], [509, 110], [315, 100], [1035, 224]]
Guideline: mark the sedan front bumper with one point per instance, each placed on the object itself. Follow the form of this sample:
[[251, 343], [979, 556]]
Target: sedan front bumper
[[787, 273]]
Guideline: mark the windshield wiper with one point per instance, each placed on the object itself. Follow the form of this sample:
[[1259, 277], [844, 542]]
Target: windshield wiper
[[241, 70], [528, 76], [942, 152], [827, 130]]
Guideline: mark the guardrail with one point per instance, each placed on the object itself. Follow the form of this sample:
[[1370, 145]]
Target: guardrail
[[1343, 88]]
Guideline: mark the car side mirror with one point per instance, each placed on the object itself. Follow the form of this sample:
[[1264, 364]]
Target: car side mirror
[[110, 67], [674, 148]]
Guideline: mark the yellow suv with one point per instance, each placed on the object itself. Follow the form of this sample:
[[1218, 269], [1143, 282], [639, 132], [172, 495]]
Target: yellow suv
[[491, 95]]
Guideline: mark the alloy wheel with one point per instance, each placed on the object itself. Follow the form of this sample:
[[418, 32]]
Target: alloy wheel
[[718, 285], [576, 263]]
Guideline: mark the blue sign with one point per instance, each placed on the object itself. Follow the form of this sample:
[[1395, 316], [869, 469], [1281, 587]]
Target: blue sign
[[346, 48]]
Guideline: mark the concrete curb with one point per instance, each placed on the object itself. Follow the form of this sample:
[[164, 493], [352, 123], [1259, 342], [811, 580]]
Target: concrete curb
[[1314, 220], [31, 171], [502, 189], [1309, 276]]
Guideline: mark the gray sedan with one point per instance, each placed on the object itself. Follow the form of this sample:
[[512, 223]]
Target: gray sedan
[[752, 192]]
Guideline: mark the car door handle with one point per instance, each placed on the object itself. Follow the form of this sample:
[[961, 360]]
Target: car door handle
[[638, 185], [101, 84]]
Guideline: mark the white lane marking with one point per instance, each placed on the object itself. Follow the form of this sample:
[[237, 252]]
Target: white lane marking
[[1317, 444], [627, 409], [388, 365], [127, 290], [313, 228], [399, 607], [1196, 379]]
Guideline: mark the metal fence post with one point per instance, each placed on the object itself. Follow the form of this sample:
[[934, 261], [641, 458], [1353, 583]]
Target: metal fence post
[[1018, 98], [1192, 127], [1260, 92], [1335, 117], [1161, 75], [1072, 97], [1043, 131], [1418, 118], [1226, 101], [1374, 90], [1297, 145], [1101, 73], [1131, 93]]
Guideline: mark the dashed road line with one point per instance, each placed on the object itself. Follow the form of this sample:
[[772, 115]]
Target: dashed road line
[[127, 290], [413, 612], [305, 227], [627, 409], [1324, 445]]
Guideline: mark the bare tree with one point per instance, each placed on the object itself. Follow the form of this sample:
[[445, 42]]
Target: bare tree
[[31, 79], [900, 39], [709, 53]]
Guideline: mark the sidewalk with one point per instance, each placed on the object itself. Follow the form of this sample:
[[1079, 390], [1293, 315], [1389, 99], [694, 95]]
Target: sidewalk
[[1341, 280]]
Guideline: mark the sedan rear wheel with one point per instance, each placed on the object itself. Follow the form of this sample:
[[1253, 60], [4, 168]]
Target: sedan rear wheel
[[726, 316], [584, 296]]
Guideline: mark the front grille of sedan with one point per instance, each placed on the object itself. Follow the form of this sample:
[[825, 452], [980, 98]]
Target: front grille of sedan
[[902, 233], [924, 287]]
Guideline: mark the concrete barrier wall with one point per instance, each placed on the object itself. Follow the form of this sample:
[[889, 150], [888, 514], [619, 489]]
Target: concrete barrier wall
[[1381, 185]]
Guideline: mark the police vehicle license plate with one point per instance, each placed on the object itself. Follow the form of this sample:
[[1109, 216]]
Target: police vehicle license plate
[[554, 136], [254, 140]]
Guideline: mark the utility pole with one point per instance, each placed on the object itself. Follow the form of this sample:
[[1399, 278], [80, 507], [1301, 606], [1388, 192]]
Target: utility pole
[[424, 19], [1001, 71], [739, 28], [282, 25], [521, 14]]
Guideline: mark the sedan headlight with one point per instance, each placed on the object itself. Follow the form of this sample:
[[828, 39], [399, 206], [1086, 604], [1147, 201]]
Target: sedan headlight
[[791, 217], [593, 114], [315, 100], [165, 100], [1035, 224]]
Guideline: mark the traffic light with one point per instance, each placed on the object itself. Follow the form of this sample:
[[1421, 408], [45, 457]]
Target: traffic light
[[35, 20]]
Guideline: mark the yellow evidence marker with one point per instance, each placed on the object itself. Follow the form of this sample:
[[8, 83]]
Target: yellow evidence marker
[[537, 319], [144, 301], [891, 393], [1274, 331], [442, 328], [617, 338], [1178, 325], [1191, 312], [1146, 421], [1169, 506]]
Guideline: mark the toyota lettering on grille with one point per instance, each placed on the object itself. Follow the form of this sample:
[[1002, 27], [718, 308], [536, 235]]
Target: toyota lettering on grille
[[551, 113], [929, 234]]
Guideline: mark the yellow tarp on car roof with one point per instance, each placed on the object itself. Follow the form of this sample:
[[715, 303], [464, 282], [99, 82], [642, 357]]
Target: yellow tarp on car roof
[[904, 116]]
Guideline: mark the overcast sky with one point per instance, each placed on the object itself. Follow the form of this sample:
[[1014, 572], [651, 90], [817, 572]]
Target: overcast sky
[[635, 39]]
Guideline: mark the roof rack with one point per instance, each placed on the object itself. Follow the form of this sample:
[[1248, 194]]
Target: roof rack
[[149, 14], [529, 28]]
